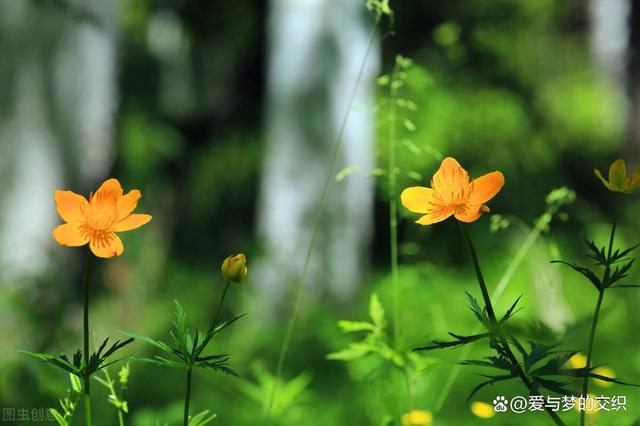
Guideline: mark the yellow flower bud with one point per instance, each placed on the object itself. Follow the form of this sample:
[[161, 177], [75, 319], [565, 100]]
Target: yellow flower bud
[[234, 268]]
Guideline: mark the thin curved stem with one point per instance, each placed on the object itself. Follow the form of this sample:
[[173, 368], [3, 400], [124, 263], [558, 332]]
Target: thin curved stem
[[323, 200], [504, 344], [87, 376], [212, 327], [217, 316]]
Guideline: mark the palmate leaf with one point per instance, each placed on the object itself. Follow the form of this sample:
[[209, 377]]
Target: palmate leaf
[[492, 381], [511, 311], [491, 361], [619, 256], [554, 365], [538, 352], [588, 273], [459, 341], [60, 362], [480, 313], [620, 273], [597, 254], [551, 385], [218, 366]]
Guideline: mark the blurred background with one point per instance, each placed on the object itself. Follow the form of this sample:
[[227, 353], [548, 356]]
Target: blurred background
[[226, 117]]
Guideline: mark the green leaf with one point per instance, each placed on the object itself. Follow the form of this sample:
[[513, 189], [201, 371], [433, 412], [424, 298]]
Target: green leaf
[[352, 352], [459, 341], [60, 362], [376, 312], [76, 384], [202, 418], [584, 271], [353, 326], [59, 418], [157, 343], [511, 311]]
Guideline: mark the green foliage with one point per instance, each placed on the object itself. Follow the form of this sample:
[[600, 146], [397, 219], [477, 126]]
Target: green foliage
[[290, 392], [97, 360], [541, 367], [202, 418], [185, 352], [69, 403], [376, 341], [379, 8], [605, 258], [116, 389]]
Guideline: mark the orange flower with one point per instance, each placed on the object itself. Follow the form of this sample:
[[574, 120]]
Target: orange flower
[[96, 221], [452, 193]]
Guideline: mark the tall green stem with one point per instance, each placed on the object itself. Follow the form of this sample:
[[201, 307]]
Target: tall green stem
[[187, 397], [596, 316], [284, 348], [196, 352], [504, 344], [393, 206], [86, 378]]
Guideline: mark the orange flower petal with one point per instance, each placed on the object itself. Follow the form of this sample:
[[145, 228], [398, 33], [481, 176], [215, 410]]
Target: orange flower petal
[[127, 203], [471, 214], [449, 176], [417, 199], [106, 245], [486, 187], [70, 235], [429, 219], [108, 193], [70, 206], [131, 222]]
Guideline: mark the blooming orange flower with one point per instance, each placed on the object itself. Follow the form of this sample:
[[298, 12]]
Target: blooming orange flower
[[452, 193], [96, 221]]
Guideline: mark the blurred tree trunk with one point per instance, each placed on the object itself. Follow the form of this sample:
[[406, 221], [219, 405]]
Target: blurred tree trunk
[[316, 51], [57, 79], [634, 75], [615, 38]]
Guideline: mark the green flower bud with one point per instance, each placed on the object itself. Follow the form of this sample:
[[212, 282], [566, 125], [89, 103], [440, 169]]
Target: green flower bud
[[234, 268]]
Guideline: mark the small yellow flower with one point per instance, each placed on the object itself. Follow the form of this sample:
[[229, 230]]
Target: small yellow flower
[[417, 418], [606, 372], [482, 410], [96, 221], [618, 179], [452, 193], [590, 405], [234, 268], [580, 361], [577, 361]]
